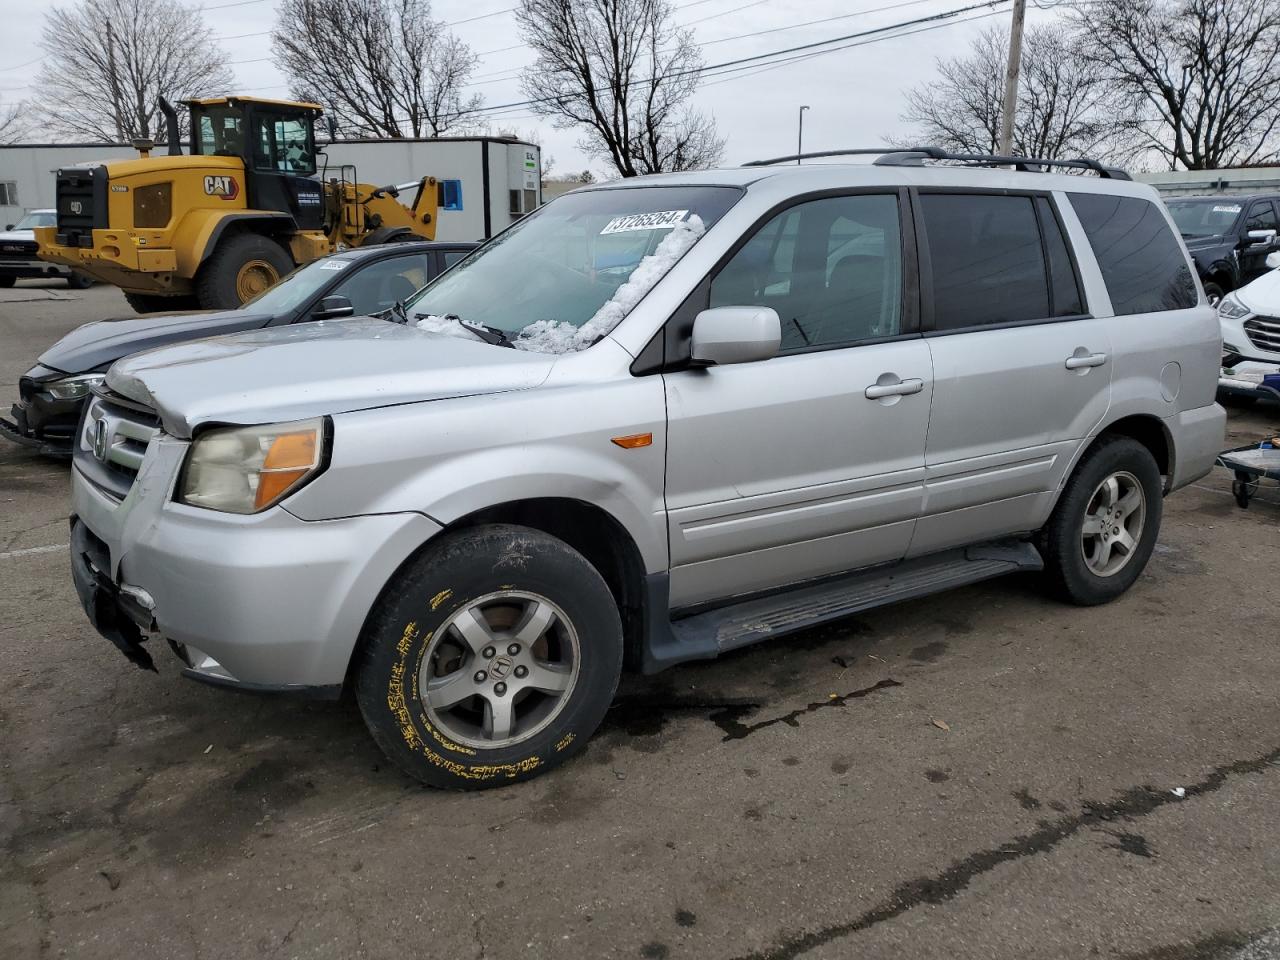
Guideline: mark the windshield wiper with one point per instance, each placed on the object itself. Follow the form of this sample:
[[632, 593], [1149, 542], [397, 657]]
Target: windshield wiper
[[485, 332], [399, 312]]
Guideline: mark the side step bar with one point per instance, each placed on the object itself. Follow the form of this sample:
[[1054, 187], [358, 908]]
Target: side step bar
[[703, 636]]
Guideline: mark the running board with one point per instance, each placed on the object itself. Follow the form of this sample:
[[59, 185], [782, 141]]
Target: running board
[[702, 636]]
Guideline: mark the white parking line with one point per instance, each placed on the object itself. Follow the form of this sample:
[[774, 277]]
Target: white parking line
[[29, 551]]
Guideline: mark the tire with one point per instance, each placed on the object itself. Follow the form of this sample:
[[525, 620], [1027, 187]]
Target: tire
[[1240, 400], [506, 576], [1213, 293], [1087, 581], [154, 303], [78, 281], [6, 282], [240, 267]]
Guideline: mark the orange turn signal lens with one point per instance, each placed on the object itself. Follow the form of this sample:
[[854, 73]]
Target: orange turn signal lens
[[634, 440], [291, 457]]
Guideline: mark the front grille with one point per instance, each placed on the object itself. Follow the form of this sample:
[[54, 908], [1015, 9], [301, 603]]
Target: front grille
[[82, 205], [17, 250], [113, 439], [1263, 333]]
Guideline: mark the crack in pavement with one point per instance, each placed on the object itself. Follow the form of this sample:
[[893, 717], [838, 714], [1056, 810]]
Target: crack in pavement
[[727, 719], [941, 887]]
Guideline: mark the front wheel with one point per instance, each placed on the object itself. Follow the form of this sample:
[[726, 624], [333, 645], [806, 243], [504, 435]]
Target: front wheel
[[79, 281], [6, 282], [1213, 293], [242, 266], [490, 658], [1103, 529]]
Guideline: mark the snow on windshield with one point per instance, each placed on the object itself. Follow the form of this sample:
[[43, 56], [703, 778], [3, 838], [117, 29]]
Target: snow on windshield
[[558, 336]]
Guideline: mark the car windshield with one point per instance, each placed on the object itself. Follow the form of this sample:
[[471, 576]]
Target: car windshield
[[1204, 218], [296, 288], [41, 218], [564, 277]]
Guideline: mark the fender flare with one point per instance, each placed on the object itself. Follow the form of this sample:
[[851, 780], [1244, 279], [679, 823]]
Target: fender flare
[[210, 231]]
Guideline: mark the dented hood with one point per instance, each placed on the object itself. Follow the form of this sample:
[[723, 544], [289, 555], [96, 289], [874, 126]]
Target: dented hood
[[308, 369]]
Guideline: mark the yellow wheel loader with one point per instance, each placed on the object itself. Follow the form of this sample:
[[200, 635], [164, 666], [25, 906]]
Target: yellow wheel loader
[[215, 228]]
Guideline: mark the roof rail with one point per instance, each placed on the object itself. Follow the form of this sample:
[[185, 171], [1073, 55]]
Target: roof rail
[[916, 157]]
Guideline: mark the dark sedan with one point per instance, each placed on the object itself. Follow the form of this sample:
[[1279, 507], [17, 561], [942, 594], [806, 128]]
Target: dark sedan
[[359, 282]]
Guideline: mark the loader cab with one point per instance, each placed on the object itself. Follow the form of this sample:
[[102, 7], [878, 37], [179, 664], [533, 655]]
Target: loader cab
[[276, 141]]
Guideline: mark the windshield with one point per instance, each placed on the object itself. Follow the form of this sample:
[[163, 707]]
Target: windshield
[[564, 277], [297, 287], [41, 218], [1204, 218]]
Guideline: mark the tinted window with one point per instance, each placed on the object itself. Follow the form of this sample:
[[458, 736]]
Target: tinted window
[[988, 266], [831, 268], [1064, 291], [1262, 216], [380, 285], [453, 256], [1142, 263]]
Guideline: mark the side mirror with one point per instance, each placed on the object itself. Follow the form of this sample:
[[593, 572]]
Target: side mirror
[[1261, 238], [1273, 260], [330, 308], [8, 226], [735, 335]]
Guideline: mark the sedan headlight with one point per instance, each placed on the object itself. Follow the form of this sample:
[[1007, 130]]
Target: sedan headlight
[[73, 388], [1231, 308], [247, 469]]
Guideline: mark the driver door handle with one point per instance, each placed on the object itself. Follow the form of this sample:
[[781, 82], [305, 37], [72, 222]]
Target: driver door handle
[[1092, 360], [900, 389]]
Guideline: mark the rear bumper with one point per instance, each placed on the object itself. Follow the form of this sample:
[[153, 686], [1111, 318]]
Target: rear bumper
[[1198, 437], [260, 602]]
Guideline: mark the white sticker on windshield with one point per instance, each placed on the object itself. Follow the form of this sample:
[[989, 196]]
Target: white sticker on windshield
[[334, 265], [1226, 208], [659, 220]]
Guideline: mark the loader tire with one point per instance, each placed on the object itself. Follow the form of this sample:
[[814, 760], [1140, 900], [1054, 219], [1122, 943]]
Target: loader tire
[[154, 303], [243, 266]]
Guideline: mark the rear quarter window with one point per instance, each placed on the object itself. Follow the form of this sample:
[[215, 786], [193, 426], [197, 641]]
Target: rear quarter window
[[1142, 262]]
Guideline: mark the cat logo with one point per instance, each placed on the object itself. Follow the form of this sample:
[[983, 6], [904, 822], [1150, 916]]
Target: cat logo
[[224, 187]]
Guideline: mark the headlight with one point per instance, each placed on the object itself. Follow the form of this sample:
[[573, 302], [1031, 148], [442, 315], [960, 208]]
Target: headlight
[[247, 469], [1231, 308], [72, 388]]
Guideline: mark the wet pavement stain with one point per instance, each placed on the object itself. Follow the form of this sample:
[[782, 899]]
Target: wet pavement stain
[[952, 880], [929, 652], [730, 719], [1024, 797], [936, 776], [654, 951], [1134, 843], [686, 918]]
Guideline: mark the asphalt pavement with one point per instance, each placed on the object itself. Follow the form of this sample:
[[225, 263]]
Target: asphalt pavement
[[983, 774]]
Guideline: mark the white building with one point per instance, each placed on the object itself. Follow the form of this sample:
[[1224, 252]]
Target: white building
[[1237, 180], [498, 179]]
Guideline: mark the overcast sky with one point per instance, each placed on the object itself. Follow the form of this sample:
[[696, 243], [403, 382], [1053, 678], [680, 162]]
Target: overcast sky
[[855, 95]]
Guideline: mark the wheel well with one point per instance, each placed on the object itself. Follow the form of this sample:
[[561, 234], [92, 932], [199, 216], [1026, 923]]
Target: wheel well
[[1149, 432], [598, 536], [1222, 278]]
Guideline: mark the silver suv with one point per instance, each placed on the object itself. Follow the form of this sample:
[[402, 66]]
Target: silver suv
[[656, 420]]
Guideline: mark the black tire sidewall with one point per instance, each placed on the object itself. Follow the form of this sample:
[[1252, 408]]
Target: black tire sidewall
[[7, 282], [1064, 559], [216, 280], [1210, 288], [425, 594], [78, 281]]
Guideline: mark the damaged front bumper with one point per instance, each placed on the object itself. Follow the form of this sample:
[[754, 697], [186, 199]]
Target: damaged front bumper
[[260, 602]]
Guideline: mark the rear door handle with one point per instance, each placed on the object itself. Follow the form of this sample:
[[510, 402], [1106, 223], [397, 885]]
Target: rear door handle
[[900, 389], [1089, 360]]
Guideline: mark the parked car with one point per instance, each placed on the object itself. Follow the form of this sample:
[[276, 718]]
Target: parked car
[[18, 259], [1250, 320], [1229, 237], [366, 280], [817, 389]]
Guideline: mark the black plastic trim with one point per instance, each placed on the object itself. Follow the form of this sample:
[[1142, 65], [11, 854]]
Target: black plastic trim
[[282, 220]]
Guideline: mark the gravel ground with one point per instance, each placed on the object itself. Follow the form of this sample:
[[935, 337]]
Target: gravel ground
[[791, 800]]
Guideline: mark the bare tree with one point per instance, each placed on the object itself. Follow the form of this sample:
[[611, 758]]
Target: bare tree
[[382, 68], [1202, 77], [109, 60], [625, 72], [1064, 111], [13, 125]]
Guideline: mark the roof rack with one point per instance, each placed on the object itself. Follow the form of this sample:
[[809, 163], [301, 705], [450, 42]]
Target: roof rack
[[916, 157]]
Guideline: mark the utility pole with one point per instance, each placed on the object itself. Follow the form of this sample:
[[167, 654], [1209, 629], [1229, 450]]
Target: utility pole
[[1011, 78], [800, 135]]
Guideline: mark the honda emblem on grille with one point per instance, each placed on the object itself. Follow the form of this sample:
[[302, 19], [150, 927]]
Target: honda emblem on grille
[[100, 440], [77, 207]]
